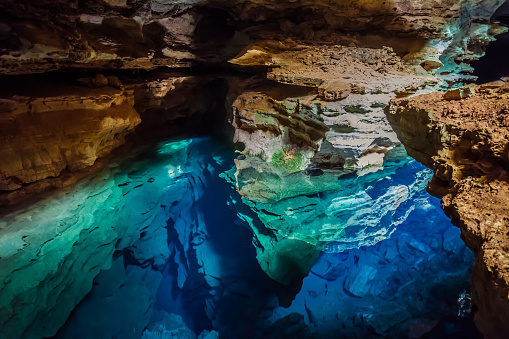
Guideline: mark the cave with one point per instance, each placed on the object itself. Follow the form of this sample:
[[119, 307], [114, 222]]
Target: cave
[[491, 66], [299, 169]]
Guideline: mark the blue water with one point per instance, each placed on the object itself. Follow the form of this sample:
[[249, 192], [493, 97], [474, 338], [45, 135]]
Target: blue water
[[400, 286], [197, 271]]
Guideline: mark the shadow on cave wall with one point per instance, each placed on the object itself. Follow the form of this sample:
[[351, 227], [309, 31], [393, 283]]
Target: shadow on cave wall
[[493, 65]]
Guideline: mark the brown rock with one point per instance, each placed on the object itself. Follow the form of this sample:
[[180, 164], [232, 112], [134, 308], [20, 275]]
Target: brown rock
[[334, 90], [336, 71], [430, 65], [465, 142], [42, 137], [493, 84], [480, 209], [460, 93], [114, 82], [7, 106], [146, 34], [100, 81]]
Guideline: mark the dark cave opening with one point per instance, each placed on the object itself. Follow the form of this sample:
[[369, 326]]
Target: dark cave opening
[[493, 65]]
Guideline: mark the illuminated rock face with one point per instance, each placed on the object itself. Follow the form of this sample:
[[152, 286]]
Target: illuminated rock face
[[308, 160], [465, 142], [43, 36], [42, 137], [57, 131], [321, 198]]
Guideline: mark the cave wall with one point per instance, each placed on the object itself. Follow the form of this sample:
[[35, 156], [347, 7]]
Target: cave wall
[[310, 75], [40, 36], [436, 39], [462, 136]]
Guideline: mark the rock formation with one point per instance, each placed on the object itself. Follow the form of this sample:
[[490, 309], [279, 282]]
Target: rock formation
[[434, 38], [299, 139], [464, 139], [302, 86], [51, 138], [47, 136], [42, 36]]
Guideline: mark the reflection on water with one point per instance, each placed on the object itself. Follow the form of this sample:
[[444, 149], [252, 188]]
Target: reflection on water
[[166, 248]]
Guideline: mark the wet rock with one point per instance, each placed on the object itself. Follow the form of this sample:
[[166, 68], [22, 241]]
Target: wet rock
[[67, 249], [420, 327], [359, 280], [172, 326], [126, 295], [327, 269]]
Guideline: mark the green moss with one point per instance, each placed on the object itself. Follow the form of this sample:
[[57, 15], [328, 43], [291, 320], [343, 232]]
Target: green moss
[[287, 162]]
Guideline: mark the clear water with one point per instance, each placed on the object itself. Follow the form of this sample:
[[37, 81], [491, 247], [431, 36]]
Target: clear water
[[168, 248]]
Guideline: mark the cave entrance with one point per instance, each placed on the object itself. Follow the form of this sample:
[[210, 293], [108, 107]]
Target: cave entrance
[[493, 65]]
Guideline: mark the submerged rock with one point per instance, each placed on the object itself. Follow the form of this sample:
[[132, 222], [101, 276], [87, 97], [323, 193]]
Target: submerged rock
[[62, 250], [173, 327], [394, 285]]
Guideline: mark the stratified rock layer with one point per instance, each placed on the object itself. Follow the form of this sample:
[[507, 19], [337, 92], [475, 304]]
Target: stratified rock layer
[[42, 36], [42, 137], [54, 132], [466, 142], [312, 147]]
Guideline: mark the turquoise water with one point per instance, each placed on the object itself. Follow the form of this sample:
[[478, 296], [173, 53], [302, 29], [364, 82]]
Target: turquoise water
[[160, 245]]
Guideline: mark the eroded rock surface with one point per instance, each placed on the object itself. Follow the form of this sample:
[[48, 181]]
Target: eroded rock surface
[[42, 137], [465, 141], [308, 159], [55, 132], [38, 37]]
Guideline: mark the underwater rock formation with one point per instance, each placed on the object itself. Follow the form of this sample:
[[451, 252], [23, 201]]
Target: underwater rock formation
[[51, 251], [465, 142], [349, 285]]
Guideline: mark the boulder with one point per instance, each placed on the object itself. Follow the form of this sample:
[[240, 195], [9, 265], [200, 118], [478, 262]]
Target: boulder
[[460, 93]]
